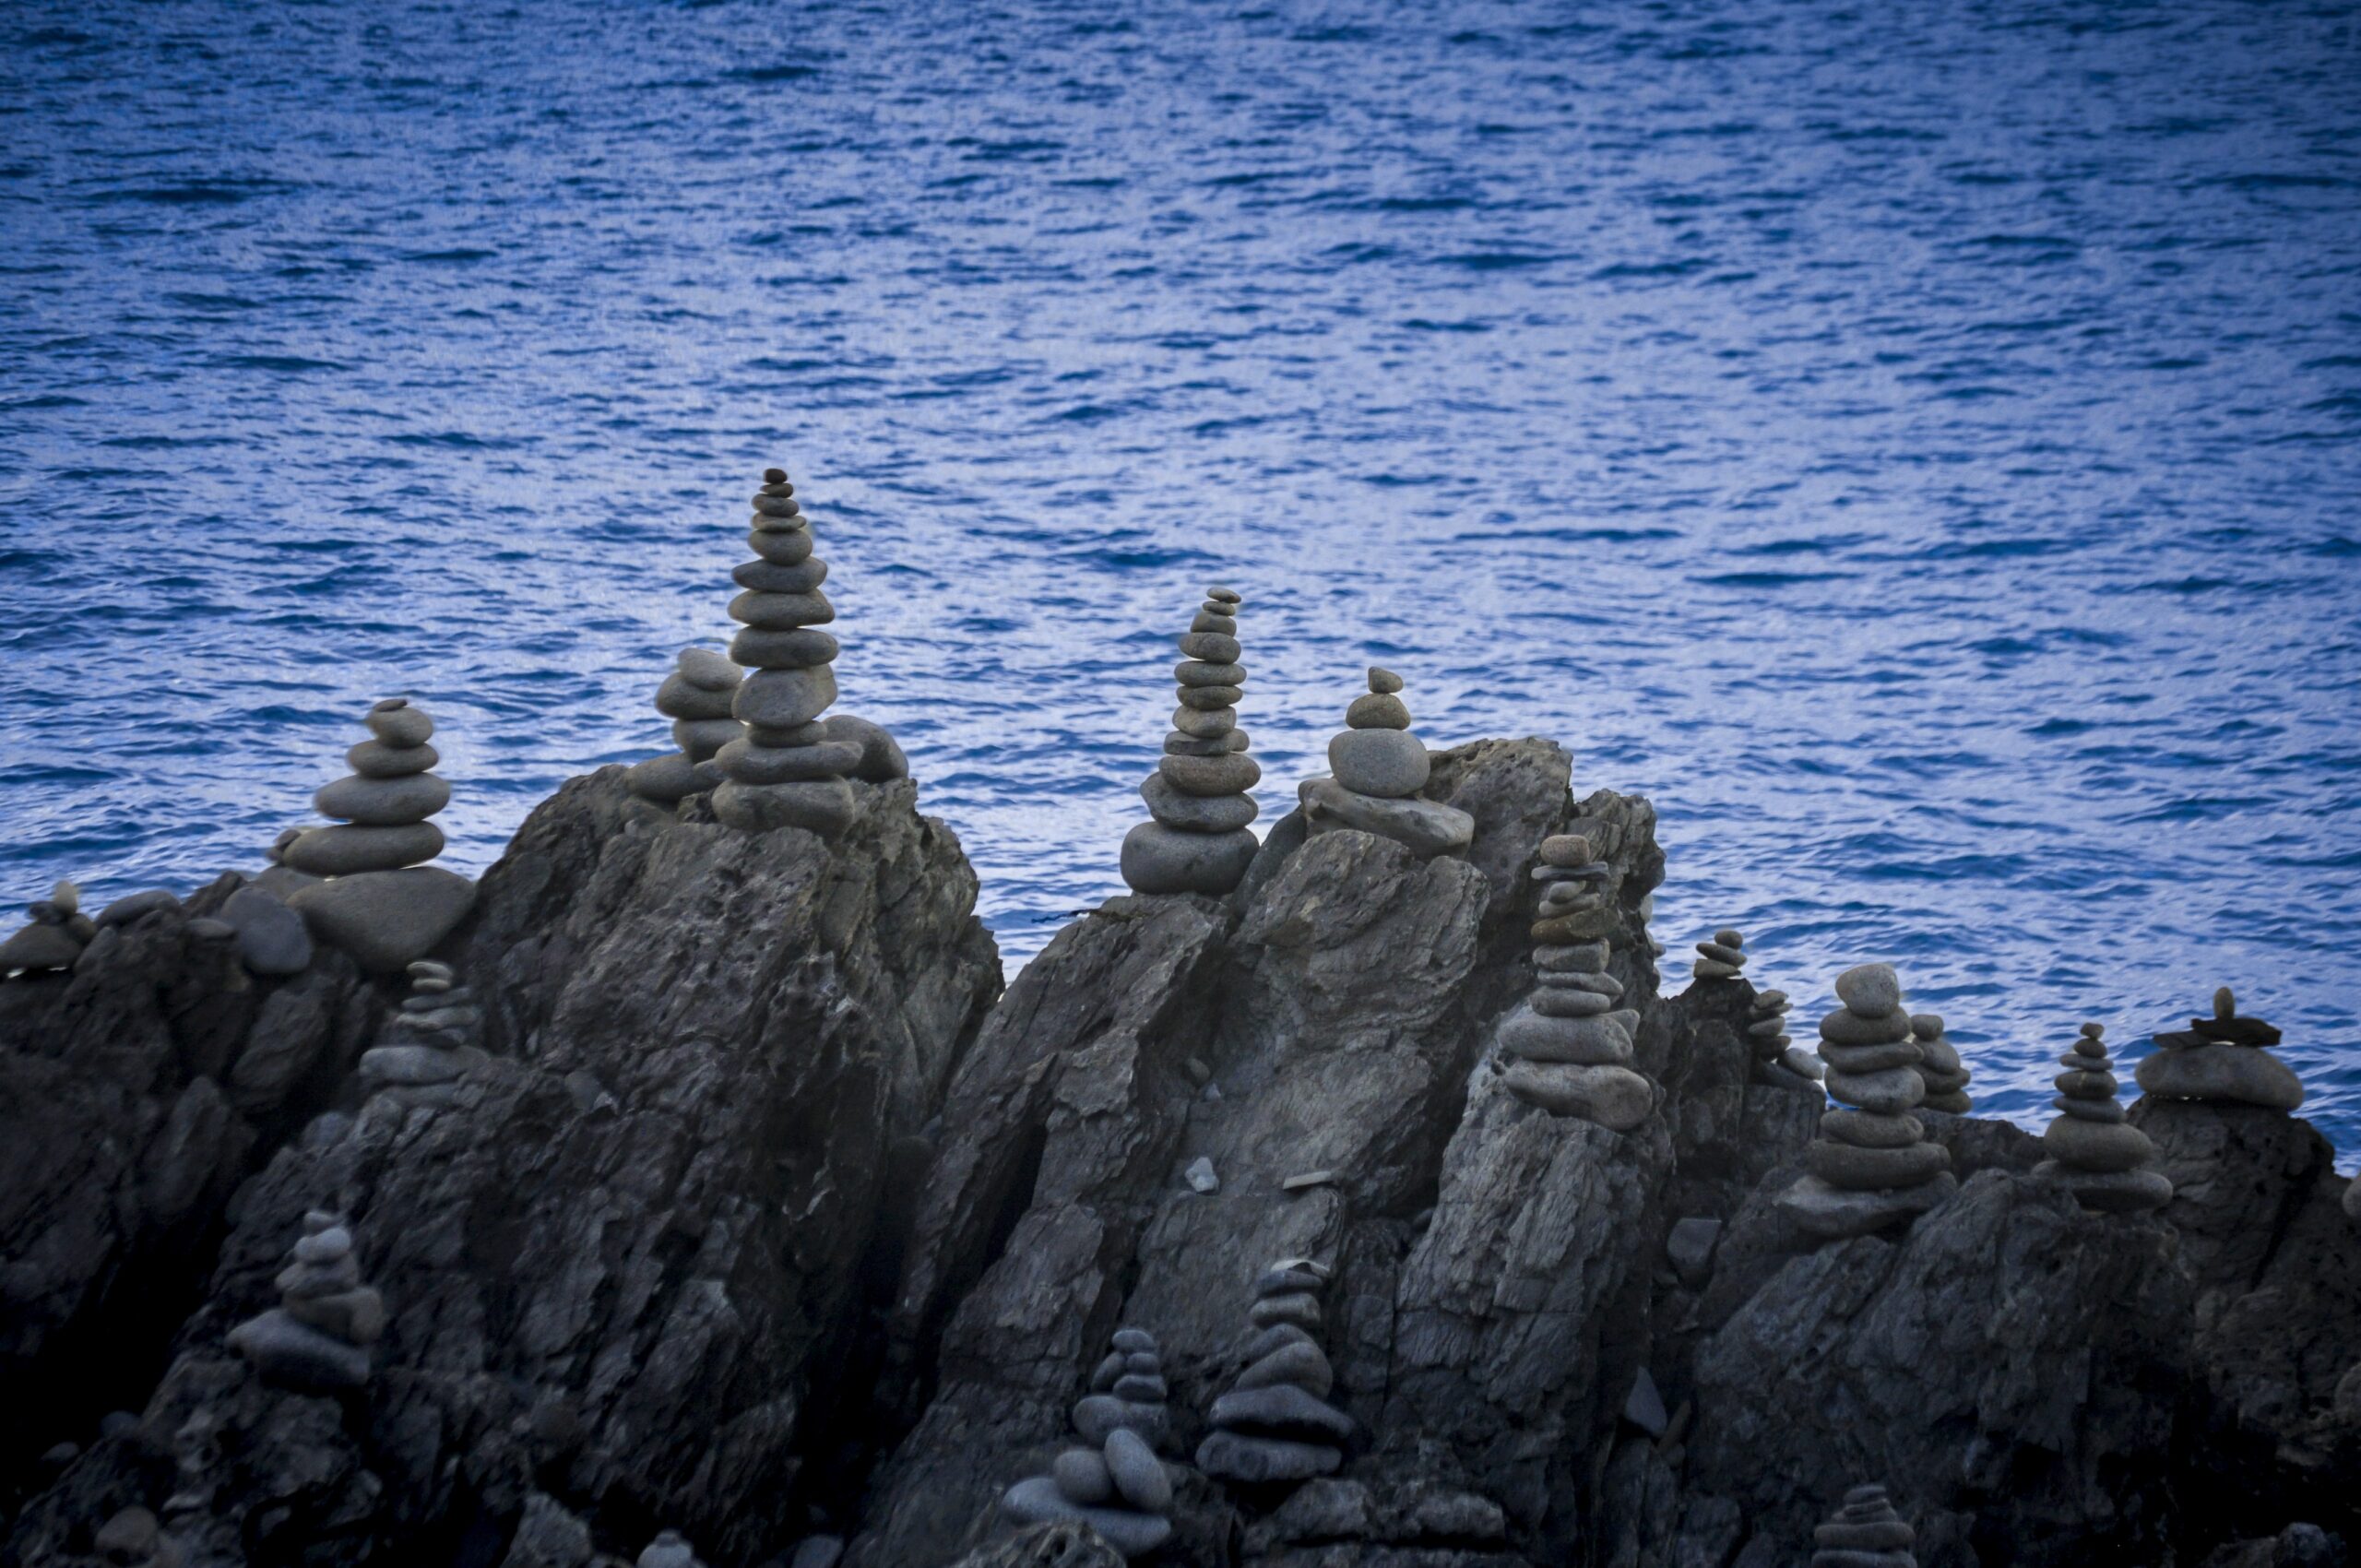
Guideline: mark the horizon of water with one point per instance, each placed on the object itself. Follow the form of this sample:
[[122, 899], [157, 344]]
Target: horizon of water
[[1917, 449]]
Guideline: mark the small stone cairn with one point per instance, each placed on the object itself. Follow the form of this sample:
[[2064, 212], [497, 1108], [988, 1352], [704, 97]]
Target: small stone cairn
[[59, 933], [785, 771], [1870, 1165], [319, 1336], [1275, 1425], [379, 902], [697, 697], [1939, 1066], [1119, 1487], [1377, 767], [429, 1043], [1568, 1048], [1721, 958], [1777, 1058], [2110, 1164], [1864, 1533], [1198, 841], [2221, 1059]]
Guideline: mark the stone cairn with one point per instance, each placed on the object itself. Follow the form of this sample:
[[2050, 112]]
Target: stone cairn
[[379, 902], [1777, 1058], [1938, 1067], [1377, 767], [1275, 1425], [318, 1336], [1871, 1164], [1864, 1533], [429, 1043], [2110, 1164], [697, 697], [1198, 841], [1568, 1048], [785, 771], [2221, 1059], [1119, 1487], [1721, 958], [59, 933]]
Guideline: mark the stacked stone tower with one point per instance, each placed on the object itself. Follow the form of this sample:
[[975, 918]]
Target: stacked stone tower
[[1198, 840], [1377, 768], [2221, 1059], [1938, 1067], [1864, 1533], [1275, 1425], [430, 1042], [1117, 1485], [1569, 1047], [1871, 1165], [785, 771], [318, 1336], [698, 698], [2108, 1163]]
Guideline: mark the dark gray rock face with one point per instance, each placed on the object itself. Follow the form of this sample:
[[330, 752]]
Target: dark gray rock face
[[629, 1264]]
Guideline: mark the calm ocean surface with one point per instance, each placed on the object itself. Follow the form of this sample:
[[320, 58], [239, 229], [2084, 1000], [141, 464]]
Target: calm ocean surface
[[1920, 447]]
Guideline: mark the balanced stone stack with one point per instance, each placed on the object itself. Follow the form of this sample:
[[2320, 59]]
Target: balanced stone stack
[[1864, 1533], [379, 902], [1568, 1047], [319, 1336], [56, 937], [1377, 768], [1275, 1426], [1871, 1164], [785, 771], [428, 1044], [1721, 958], [1777, 1058], [1118, 1486], [2221, 1059], [1198, 841], [1939, 1066], [2108, 1163], [698, 698]]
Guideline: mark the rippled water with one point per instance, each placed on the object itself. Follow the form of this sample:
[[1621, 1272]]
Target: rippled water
[[1915, 445]]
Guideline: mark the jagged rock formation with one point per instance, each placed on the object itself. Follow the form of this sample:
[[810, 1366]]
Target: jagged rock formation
[[1938, 1067], [55, 938], [1198, 840], [1378, 768], [1871, 1166], [2107, 1163], [1569, 1048], [1864, 1533], [698, 698], [318, 1336], [379, 901], [1275, 1426], [1117, 1485], [2221, 1059]]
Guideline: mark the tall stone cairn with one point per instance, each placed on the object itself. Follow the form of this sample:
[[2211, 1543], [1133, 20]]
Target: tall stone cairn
[[1871, 1165], [1568, 1048], [2221, 1059], [785, 771], [1275, 1427], [697, 697], [1864, 1533], [1198, 840], [1115, 1484], [2109, 1164]]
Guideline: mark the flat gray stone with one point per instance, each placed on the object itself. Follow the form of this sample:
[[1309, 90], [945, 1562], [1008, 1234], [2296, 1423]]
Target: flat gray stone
[[801, 647], [1378, 710], [781, 612], [1426, 828], [2116, 1191], [750, 763], [1615, 1098], [1211, 647], [823, 806], [1893, 1090], [374, 759], [1860, 1170], [1870, 1058], [768, 576], [781, 700], [1872, 1129], [1209, 699], [2238, 1074], [385, 919], [1281, 1409], [667, 779], [384, 802], [1196, 814], [350, 851], [1846, 1027], [1096, 1414], [1299, 1364], [704, 668], [1601, 1041], [1206, 776], [410, 1065], [1205, 723], [785, 549], [700, 739], [1157, 859], [272, 939], [1197, 672]]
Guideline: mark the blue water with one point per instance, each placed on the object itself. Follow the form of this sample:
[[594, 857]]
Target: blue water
[[1919, 445]]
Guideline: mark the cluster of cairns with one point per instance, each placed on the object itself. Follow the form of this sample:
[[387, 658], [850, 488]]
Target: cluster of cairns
[[1376, 768], [378, 900], [1871, 1164], [1198, 840], [318, 1336], [1568, 1048], [698, 698], [1275, 1426], [429, 1043], [2108, 1163], [1864, 1533], [56, 937], [1117, 1485], [2221, 1059], [1939, 1066]]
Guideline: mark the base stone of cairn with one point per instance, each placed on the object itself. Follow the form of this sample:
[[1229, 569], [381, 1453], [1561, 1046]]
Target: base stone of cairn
[[1118, 1486], [430, 1042], [1871, 1165], [318, 1336], [378, 902], [55, 938], [1864, 1533], [1568, 1048], [785, 771], [2108, 1164], [1275, 1426], [2221, 1059], [1198, 840], [1939, 1066], [1376, 768], [697, 697]]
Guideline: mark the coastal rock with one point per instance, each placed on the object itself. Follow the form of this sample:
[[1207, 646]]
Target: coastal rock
[[272, 939]]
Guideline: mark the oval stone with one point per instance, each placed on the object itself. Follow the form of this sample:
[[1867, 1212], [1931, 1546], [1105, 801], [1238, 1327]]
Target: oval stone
[[383, 802], [1211, 647], [2097, 1146], [1207, 699], [781, 549], [1196, 814], [1378, 710], [1389, 764], [798, 649], [1157, 859], [1228, 775], [781, 612], [779, 699], [1196, 672], [1893, 1090], [346, 852], [1870, 990], [750, 763], [374, 759], [766, 577], [1205, 722], [676, 698], [397, 723]]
